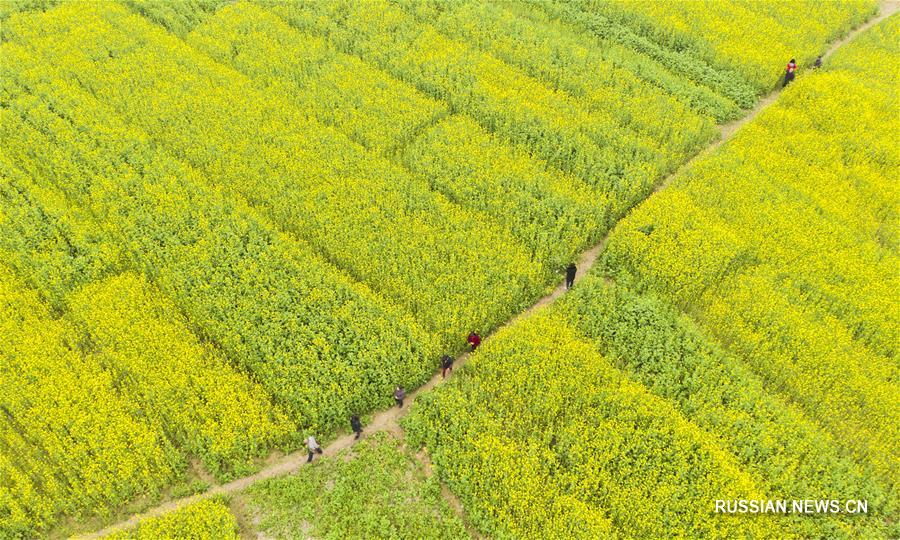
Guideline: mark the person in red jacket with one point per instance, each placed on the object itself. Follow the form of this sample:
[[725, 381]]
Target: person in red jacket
[[474, 340], [789, 72]]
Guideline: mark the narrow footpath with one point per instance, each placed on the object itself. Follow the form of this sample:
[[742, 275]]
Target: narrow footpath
[[389, 420]]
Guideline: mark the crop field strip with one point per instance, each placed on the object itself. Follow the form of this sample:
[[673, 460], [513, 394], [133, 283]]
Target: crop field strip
[[521, 388], [287, 396], [620, 163], [771, 29], [204, 218], [285, 466], [781, 446], [830, 274], [777, 424], [555, 216], [342, 217]]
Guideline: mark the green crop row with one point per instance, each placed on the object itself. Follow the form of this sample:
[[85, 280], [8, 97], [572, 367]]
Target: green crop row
[[784, 246], [557, 214], [621, 163], [377, 489], [454, 270], [577, 65], [540, 435], [725, 82], [322, 345], [69, 441]]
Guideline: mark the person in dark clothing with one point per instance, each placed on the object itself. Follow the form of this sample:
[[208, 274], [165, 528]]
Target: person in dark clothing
[[789, 72], [399, 396], [570, 275], [356, 425], [312, 446], [446, 365], [474, 340], [818, 63]]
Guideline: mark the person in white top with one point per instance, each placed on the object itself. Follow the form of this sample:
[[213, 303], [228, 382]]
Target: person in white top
[[312, 447]]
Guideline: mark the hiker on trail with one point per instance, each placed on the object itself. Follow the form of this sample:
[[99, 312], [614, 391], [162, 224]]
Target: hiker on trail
[[789, 72], [474, 340], [818, 63], [570, 275], [399, 396], [446, 365], [356, 425], [312, 447]]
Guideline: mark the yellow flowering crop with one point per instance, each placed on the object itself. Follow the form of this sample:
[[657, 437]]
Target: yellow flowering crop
[[275, 309], [53, 243], [453, 269], [554, 214], [787, 452], [208, 519], [225, 224], [207, 408], [783, 245], [588, 143], [71, 442], [756, 38], [680, 72], [600, 81], [383, 113], [340, 90], [541, 436], [178, 17]]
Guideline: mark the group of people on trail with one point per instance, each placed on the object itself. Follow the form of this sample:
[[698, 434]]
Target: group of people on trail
[[473, 340], [791, 70], [313, 447]]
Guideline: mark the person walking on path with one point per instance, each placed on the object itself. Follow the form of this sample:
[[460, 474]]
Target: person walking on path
[[399, 396], [570, 275], [789, 72], [312, 447], [474, 340], [356, 425], [446, 365]]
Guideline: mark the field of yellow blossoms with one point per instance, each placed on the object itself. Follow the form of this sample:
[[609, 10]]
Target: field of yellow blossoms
[[226, 226]]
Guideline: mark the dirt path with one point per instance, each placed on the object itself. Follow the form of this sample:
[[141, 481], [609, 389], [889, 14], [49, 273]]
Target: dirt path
[[389, 420], [449, 496]]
